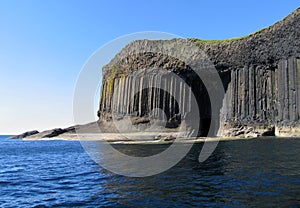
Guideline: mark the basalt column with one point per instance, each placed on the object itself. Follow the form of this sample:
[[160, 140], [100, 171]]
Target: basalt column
[[156, 94], [264, 94]]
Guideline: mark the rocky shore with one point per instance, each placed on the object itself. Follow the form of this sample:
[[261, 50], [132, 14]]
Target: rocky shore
[[234, 133]]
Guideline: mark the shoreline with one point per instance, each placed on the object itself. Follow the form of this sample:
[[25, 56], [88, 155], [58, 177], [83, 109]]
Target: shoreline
[[143, 138]]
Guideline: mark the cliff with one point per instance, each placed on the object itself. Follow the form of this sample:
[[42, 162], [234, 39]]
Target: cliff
[[260, 74]]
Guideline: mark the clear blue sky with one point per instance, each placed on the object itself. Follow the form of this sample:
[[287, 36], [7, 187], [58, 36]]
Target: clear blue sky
[[44, 44]]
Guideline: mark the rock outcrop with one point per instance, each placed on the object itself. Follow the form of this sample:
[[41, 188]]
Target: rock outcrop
[[260, 74], [59, 132], [24, 135]]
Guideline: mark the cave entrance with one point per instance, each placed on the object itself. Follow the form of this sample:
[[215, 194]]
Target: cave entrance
[[153, 98], [203, 104]]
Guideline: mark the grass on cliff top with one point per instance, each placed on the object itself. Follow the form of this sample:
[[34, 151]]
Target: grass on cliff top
[[214, 41], [199, 41]]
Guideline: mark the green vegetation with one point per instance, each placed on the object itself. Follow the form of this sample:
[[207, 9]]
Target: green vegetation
[[257, 32], [111, 78], [202, 42]]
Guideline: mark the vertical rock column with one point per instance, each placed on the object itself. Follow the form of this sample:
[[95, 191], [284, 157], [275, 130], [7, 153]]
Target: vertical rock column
[[249, 96], [263, 94], [288, 89], [252, 92], [292, 69], [297, 78]]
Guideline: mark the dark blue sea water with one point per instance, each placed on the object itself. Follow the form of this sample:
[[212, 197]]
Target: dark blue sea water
[[254, 173]]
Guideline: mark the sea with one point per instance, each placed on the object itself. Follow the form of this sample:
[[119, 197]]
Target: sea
[[263, 172]]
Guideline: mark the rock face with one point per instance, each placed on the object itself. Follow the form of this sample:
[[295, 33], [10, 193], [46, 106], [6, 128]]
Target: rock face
[[26, 134], [260, 74], [58, 132]]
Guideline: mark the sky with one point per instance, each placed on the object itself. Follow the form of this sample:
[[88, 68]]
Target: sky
[[45, 44]]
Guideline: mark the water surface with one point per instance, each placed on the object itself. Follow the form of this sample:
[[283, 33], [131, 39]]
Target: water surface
[[252, 173]]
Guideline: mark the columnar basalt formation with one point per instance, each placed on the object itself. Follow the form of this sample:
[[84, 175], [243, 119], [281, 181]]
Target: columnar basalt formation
[[260, 74], [263, 96]]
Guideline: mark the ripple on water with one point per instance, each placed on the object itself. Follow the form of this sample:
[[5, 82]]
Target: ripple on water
[[238, 174]]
